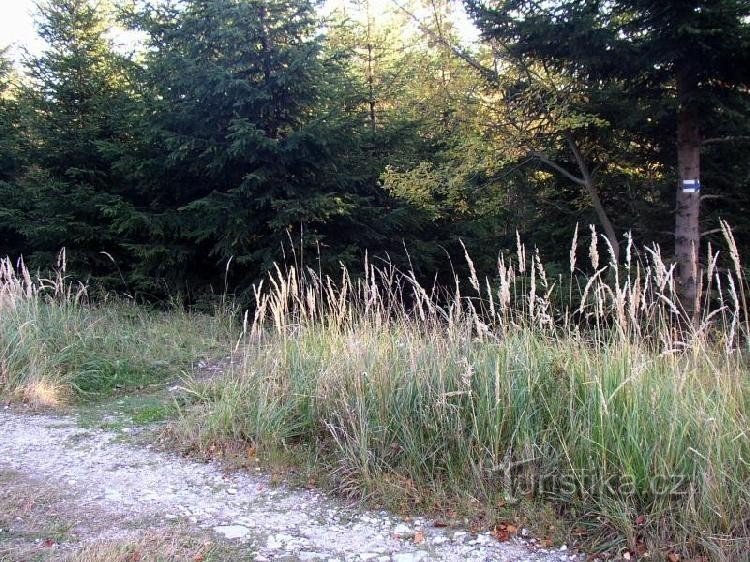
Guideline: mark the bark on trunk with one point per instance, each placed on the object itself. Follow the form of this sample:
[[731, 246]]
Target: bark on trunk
[[601, 214], [596, 202], [687, 217]]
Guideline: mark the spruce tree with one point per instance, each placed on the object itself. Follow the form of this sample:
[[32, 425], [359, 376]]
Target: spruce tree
[[650, 66], [255, 143], [10, 151], [8, 120], [75, 111]]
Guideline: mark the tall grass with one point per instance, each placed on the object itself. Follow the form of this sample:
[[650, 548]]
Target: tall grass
[[57, 346], [595, 395]]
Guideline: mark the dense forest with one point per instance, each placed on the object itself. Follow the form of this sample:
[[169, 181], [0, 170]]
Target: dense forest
[[239, 133]]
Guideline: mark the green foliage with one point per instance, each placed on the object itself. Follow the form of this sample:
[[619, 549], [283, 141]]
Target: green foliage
[[252, 146], [254, 132], [603, 75], [75, 106]]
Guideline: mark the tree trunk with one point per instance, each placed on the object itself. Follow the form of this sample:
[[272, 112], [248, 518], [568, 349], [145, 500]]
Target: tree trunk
[[687, 228], [601, 214], [370, 70], [587, 180]]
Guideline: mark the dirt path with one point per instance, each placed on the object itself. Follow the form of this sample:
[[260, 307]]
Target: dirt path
[[105, 477]]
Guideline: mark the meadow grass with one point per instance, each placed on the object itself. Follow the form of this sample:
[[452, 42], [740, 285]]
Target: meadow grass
[[58, 346], [591, 408], [611, 413]]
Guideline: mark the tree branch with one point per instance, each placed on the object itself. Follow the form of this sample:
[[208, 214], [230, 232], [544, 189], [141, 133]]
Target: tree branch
[[720, 140], [555, 166], [490, 73]]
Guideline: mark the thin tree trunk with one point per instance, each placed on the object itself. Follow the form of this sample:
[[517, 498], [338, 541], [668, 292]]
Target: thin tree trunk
[[687, 217], [596, 202], [587, 181], [601, 214]]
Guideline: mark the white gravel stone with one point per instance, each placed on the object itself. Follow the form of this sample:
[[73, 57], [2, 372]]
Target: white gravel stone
[[232, 531], [417, 556]]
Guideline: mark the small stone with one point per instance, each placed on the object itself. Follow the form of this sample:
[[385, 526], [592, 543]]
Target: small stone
[[564, 547], [273, 543], [409, 556], [231, 491], [483, 539], [368, 555], [459, 535], [232, 531], [440, 539]]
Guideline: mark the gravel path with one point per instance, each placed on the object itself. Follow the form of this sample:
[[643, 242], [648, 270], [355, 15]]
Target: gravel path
[[274, 523]]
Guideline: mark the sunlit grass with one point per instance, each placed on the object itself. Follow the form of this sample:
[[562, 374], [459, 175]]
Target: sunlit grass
[[56, 346], [604, 410], [627, 417]]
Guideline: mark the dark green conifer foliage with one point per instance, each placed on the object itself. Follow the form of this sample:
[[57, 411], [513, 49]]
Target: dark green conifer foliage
[[673, 74], [8, 120], [254, 143], [10, 151], [74, 112]]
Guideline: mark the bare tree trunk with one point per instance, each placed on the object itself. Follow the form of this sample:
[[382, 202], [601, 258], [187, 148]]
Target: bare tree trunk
[[596, 202], [587, 181], [601, 214], [687, 216]]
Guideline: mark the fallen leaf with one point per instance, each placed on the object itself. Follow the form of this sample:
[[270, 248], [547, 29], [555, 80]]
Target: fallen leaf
[[673, 557], [49, 543], [501, 534], [640, 520], [504, 531], [439, 523], [418, 537]]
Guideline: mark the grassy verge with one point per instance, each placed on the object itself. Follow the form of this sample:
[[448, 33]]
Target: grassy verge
[[633, 449], [608, 417], [621, 424], [56, 347]]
